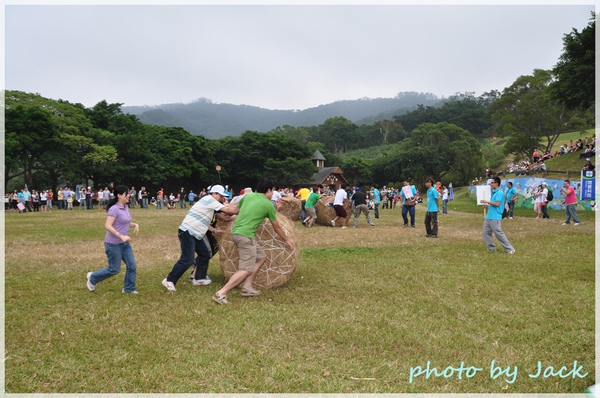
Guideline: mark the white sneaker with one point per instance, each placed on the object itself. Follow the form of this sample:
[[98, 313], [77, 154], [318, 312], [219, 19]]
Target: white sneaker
[[333, 223], [576, 223], [344, 227], [510, 218], [169, 285], [89, 284], [564, 223], [511, 252], [201, 282], [132, 292]]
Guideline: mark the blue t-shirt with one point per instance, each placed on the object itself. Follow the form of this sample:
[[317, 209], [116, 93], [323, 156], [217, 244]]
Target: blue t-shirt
[[495, 212], [510, 193], [432, 195], [376, 196]]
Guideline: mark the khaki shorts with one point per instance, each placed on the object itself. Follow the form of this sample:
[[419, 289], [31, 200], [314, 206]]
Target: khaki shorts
[[311, 212], [249, 251]]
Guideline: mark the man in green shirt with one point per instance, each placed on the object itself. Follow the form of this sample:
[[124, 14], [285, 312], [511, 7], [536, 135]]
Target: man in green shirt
[[311, 213], [254, 208]]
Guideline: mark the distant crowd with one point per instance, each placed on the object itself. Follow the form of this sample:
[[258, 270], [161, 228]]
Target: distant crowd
[[586, 148]]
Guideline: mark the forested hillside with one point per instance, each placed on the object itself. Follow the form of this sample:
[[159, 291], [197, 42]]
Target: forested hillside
[[212, 120]]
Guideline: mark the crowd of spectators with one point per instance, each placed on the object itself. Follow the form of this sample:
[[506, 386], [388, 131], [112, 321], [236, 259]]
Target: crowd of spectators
[[586, 147]]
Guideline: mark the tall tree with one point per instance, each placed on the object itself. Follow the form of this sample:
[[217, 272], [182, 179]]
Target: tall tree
[[338, 134], [30, 133], [356, 170], [527, 114], [248, 158], [433, 150], [575, 70]]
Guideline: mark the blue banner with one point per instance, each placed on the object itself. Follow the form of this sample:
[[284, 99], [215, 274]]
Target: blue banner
[[588, 184], [527, 186]]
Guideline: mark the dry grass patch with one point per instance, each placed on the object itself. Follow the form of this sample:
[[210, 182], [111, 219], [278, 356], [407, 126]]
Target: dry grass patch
[[363, 307]]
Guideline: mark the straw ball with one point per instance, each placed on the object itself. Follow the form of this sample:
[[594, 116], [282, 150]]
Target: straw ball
[[290, 207], [326, 213], [281, 259]]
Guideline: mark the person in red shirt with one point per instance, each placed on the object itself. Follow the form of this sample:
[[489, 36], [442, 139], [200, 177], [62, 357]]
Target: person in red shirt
[[570, 202]]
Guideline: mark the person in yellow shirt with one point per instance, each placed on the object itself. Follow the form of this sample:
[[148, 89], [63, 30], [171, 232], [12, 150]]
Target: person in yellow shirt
[[303, 194], [61, 198]]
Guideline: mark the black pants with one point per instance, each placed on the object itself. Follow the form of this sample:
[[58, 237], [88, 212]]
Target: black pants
[[545, 211], [431, 223]]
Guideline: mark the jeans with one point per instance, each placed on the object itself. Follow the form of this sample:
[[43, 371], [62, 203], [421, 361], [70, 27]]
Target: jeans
[[445, 208], [376, 209], [144, 202], [303, 212], [545, 211], [494, 227], [572, 213], [511, 209], [159, 204], [431, 223], [408, 209], [115, 254], [189, 246], [182, 204], [88, 204]]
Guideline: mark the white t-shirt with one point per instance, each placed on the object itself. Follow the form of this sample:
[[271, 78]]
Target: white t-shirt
[[445, 194], [276, 196], [340, 195]]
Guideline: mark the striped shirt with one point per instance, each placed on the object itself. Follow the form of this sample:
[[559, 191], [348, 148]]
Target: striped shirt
[[198, 219]]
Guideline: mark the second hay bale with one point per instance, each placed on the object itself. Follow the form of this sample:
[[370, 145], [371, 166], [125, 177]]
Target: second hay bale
[[326, 213], [290, 207]]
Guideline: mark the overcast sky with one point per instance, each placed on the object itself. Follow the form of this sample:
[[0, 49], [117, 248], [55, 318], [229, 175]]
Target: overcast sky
[[277, 56]]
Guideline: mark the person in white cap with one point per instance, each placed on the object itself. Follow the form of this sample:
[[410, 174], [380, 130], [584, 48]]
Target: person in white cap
[[191, 237], [544, 203]]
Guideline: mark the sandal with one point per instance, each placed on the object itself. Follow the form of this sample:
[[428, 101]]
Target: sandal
[[220, 299], [249, 292]]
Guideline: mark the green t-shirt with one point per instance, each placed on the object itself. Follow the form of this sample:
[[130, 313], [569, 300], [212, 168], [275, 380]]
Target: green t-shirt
[[254, 207], [312, 199]]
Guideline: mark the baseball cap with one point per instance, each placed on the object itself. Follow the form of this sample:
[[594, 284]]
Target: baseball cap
[[218, 189]]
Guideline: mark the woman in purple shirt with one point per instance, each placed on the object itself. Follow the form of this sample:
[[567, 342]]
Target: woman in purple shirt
[[116, 243]]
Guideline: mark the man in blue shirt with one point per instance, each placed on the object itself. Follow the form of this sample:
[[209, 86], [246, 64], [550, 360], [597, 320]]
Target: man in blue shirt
[[511, 197], [26, 199], [493, 220], [376, 199], [431, 222]]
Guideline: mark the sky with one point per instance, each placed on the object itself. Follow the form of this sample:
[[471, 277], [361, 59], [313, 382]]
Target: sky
[[277, 55]]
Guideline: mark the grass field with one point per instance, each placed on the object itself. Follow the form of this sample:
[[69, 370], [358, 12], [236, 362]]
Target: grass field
[[365, 308]]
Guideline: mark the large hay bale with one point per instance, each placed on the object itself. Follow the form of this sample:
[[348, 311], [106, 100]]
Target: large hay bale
[[325, 212], [281, 259], [290, 207]]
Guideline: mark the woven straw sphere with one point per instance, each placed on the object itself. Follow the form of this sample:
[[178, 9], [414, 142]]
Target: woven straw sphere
[[281, 259], [325, 213], [290, 207]]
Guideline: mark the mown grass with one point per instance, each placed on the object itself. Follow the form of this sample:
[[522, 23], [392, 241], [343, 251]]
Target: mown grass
[[363, 308]]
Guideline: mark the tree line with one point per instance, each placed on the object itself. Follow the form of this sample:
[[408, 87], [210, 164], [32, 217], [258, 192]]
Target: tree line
[[53, 142]]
